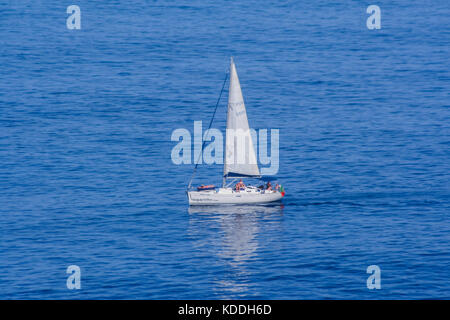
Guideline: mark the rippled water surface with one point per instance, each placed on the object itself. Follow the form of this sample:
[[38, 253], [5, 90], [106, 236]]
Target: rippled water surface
[[86, 175]]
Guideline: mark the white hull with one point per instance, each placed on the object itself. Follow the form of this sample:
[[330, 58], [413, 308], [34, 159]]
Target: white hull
[[250, 195]]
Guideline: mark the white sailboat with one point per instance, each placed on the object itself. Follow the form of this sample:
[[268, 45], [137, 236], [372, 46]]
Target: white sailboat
[[240, 158]]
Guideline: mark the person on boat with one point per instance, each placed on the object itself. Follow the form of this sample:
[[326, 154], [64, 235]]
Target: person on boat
[[240, 186], [268, 186]]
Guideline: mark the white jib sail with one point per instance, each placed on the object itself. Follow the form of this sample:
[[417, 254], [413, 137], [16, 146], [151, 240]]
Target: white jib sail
[[240, 158]]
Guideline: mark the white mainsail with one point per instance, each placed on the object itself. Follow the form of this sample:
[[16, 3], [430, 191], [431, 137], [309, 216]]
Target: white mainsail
[[240, 158]]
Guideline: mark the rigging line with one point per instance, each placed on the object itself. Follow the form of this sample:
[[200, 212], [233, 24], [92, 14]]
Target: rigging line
[[210, 124]]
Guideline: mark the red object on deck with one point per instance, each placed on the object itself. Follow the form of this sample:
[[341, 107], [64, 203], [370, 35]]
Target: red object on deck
[[208, 187]]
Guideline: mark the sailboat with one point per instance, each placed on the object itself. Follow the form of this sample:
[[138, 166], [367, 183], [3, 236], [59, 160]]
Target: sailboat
[[240, 159]]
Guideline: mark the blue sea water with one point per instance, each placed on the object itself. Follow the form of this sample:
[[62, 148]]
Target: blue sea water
[[86, 176]]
